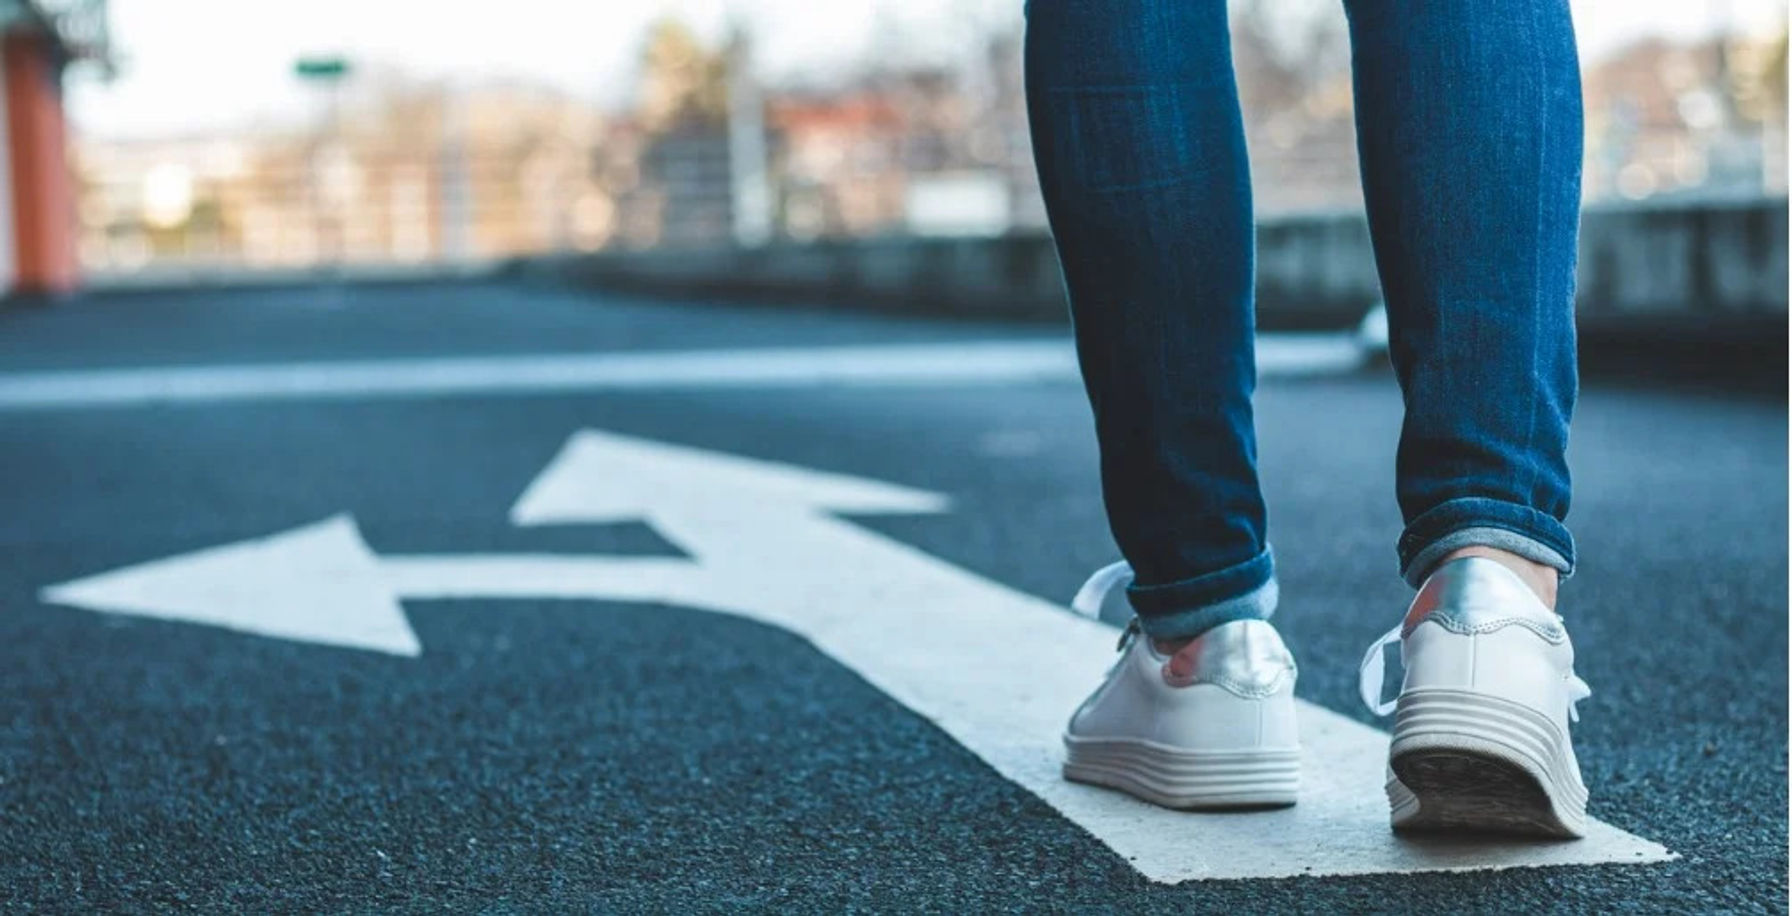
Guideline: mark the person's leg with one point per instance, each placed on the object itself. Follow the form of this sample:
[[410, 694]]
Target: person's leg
[[1469, 130], [1141, 157]]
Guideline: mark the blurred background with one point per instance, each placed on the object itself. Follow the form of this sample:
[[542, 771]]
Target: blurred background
[[867, 157], [210, 134]]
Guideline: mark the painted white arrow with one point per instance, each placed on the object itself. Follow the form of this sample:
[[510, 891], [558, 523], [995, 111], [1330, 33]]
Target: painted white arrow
[[316, 584], [996, 669], [322, 584]]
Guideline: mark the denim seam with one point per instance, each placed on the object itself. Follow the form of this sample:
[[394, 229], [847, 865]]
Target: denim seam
[[1530, 429]]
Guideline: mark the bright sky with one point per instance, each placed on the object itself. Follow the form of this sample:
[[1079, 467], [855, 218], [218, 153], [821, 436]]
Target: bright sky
[[187, 66]]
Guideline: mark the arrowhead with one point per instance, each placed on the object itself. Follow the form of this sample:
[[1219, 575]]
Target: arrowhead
[[601, 477], [319, 584]]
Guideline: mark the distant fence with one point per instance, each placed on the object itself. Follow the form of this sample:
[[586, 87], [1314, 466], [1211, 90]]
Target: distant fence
[[1701, 267]]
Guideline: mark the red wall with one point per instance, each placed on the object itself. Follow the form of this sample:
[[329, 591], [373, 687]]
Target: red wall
[[42, 183]]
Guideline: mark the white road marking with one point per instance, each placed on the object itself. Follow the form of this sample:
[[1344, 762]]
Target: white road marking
[[322, 584], [987, 362], [317, 584], [996, 669]]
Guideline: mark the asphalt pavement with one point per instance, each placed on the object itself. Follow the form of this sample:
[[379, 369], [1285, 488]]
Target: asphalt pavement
[[543, 754]]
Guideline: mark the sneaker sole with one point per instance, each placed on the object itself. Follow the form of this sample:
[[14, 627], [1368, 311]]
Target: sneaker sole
[[1467, 762], [1187, 780]]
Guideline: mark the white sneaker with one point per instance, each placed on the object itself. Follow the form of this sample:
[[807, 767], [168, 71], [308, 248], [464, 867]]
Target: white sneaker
[[1223, 737], [1481, 725]]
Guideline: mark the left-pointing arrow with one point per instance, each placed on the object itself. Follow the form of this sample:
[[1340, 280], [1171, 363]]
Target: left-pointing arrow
[[319, 583]]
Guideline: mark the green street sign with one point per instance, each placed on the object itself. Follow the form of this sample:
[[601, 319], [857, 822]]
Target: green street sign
[[321, 68]]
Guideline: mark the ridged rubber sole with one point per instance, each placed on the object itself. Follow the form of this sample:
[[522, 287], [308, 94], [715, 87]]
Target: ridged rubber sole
[[1468, 762], [1190, 780]]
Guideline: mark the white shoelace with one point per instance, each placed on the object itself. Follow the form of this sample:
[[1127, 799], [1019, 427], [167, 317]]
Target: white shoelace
[[1094, 593], [1373, 675]]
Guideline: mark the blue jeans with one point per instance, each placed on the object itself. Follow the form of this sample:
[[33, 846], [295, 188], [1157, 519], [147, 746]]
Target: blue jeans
[[1469, 139]]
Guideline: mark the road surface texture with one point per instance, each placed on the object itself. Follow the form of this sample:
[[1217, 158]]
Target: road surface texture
[[543, 754]]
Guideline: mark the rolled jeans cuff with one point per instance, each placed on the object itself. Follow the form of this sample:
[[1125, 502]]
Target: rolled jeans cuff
[[1186, 609], [1476, 521]]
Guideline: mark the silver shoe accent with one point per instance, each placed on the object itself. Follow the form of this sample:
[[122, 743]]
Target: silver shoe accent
[[1478, 595], [1246, 657]]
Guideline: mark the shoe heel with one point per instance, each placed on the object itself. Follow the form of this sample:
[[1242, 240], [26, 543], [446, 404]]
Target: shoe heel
[[1466, 761]]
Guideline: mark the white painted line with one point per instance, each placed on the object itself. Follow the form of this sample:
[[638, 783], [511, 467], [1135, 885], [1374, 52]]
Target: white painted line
[[989, 362], [996, 669]]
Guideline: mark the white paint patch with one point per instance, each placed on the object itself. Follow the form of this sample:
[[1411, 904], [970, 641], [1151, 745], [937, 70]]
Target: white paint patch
[[996, 669], [976, 363]]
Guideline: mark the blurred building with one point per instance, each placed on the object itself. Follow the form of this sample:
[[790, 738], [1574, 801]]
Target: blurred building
[[912, 148], [687, 193], [705, 155], [1705, 118], [838, 161], [670, 168], [1007, 139], [402, 173], [1292, 61], [158, 200]]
